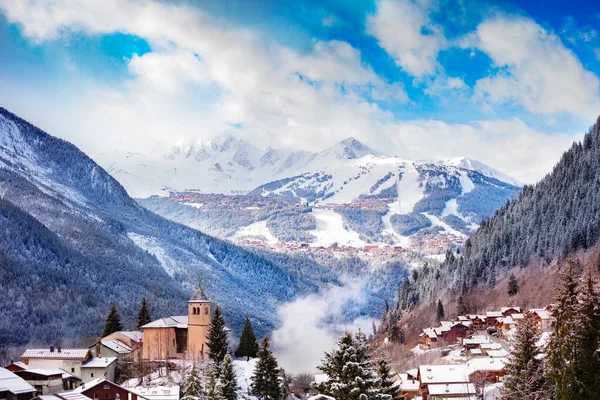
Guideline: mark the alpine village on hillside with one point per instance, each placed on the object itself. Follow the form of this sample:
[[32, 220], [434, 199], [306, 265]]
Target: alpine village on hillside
[[299, 200]]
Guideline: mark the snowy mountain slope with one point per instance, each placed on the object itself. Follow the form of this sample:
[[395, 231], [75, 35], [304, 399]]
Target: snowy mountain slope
[[77, 237]]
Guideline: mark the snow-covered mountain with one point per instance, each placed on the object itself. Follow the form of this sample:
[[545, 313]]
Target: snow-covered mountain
[[228, 165]]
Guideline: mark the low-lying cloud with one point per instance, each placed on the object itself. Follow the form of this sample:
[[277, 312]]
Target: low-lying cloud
[[310, 325]]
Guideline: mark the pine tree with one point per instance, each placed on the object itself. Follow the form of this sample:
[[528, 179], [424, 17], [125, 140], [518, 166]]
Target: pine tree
[[266, 384], [248, 346], [193, 387], [513, 285], [561, 348], [217, 340], [212, 390], [388, 386], [524, 377], [350, 370], [113, 322], [143, 316], [586, 364], [228, 386], [462, 306], [440, 310]]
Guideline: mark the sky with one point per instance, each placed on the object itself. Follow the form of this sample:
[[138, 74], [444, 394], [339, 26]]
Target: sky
[[511, 83]]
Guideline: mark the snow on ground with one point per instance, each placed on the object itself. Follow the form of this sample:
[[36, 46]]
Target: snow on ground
[[153, 246], [244, 371], [409, 189], [331, 229], [466, 183], [256, 229], [451, 208], [438, 222], [467, 186], [403, 241]]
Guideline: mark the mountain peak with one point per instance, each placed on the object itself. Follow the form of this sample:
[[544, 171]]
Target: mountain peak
[[350, 148], [478, 166]]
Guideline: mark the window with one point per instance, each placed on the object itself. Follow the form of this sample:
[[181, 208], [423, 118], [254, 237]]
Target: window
[[72, 369], [92, 374], [118, 396], [106, 395], [194, 310], [206, 310], [106, 386], [96, 396]]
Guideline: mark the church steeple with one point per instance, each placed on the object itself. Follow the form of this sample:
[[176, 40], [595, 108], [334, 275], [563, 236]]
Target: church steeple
[[198, 323], [199, 296]]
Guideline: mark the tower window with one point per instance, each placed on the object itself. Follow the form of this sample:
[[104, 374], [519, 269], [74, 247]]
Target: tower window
[[194, 310], [205, 310]]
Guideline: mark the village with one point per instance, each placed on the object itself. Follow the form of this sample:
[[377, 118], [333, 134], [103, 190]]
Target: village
[[473, 349]]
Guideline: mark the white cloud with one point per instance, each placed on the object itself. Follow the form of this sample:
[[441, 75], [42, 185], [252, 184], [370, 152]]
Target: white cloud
[[404, 30], [536, 70], [311, 325]]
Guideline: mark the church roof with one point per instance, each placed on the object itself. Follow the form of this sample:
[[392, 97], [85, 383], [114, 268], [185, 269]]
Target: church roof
[[200, 295]]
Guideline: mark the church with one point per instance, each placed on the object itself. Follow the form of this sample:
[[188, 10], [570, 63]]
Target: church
[[180, 336]]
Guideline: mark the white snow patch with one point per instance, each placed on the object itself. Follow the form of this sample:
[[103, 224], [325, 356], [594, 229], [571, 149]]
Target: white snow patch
[[438, 222], [409, 188], [331, 229], [257, 229]]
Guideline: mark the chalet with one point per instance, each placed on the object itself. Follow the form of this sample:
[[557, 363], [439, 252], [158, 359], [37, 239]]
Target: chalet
[[63, 396], [508, 311], [132, 339], [541, 317], [457, 331], [505, 323], [428, 338], [13, 387], [99, 367], [486, 369], [463, 391], [474, 342], [477, 321], [69, 360], [45, 381], [491, 317], [170, 392], [110, 348], [408, 387], [441, 375], [103, 389], [518, 317]]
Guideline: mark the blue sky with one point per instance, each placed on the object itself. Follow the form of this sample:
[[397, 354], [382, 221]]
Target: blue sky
[[510, 83]]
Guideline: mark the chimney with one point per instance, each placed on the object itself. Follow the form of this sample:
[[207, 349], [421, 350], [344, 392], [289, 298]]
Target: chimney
[[59, 349], [97, 349], [51, 348]]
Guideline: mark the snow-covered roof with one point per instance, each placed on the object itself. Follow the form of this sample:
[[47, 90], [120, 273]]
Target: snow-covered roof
[[507, 321], [95, 382], [320, 378], [449, 373], [542, 313], [413, 372], [476, 352], [518, 316], [477, 339], [176, 321], [462, 318], [320, 396], [505, 309], [446, 323], [499, 353], [72, 396], [451, 389], [10, 382], [166, 392], [117, 346], [486, 364], [493, 314], [99, 362], [409, 385], [429, 332], [136, 336], [19, 364], [44, 372], [63, 354], [491, 346]]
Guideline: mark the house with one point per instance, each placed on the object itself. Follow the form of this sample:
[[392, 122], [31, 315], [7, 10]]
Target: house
[[69, 360], [179, 336], [518, 317], [98, 367], [170, 392], [45, 381], [506, 323], [321, 397], [103, 389], [491, 317], [474, 342], [13, 387], [437, 375], [508, 311], [132, 339], [542, 318], [408, 387], [428, 338], [457, 331], [486, 369], [62, 396], [477, 321]]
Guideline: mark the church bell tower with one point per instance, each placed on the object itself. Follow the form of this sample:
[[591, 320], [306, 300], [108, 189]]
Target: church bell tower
[[198, 324]]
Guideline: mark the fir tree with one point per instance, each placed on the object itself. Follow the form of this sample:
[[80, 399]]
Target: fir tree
[[350, 370], [143, 316], [524, 372], [513, 285], [193, 387], [462, 306], [561, 348], [212, 390], [440, 310], [217, 340], [586, 364], [248, 346], [266, 384], [228, 388], [388, 386], [113, 322]]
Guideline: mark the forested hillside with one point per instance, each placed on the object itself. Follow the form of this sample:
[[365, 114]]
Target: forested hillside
[[547, 221]]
